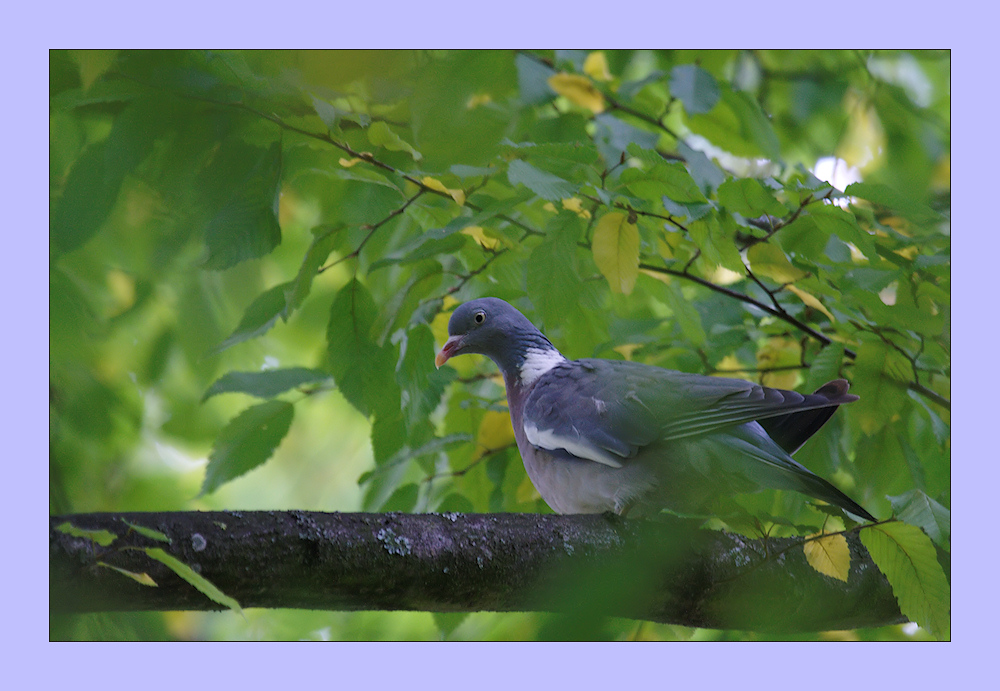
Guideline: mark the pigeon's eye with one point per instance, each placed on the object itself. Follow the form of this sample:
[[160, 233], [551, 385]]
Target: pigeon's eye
[[479, 317]]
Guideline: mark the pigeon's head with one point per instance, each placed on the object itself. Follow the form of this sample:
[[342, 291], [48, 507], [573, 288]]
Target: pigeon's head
[[490, 327]]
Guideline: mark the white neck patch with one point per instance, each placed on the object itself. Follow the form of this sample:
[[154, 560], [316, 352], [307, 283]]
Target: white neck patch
[[537, 362]]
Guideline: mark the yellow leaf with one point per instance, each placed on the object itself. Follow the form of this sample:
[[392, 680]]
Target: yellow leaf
[[829, 555], [731, 367], [780, 352], [575, 205], [769, 261], [811, 300], [616, 251], [143, 578], [579, 90], [437, 185], [626, 350], [549, 206], [659, 276], [479, 235], [495, 432], [596, 66], [348, 162], [478, 100]]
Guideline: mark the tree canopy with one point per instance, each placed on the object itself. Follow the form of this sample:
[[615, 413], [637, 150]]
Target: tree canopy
[[254, 256]]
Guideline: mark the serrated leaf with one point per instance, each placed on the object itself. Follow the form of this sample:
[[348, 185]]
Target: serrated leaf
[[716, 244], [810, 300], [148, 532], [266, 384], [545, 185], [101, 537], [738, 125], [749, 198], [141, 578], [259, 317], [579, 90], [829, 555], [830, 218], [917, 509], [696, 88], [202, 584], [616, 251], [825, 366], [886, 196], [246, 224], [416, 375], [882, 396], [909, 561], [323, 242], [379, 134], [663, 179], [364, 371], [435, 242], [551, 275], [246, 442], [769, 261]]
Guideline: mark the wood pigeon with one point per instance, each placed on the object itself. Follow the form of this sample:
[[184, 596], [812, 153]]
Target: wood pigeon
[[608, 435]]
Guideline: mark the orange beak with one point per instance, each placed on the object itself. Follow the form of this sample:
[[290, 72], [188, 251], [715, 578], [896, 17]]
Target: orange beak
[[448, 350]]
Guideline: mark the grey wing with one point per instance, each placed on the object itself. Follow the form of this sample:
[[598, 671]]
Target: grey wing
[[606, 411]]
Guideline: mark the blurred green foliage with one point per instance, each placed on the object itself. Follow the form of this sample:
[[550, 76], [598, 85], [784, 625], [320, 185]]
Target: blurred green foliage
[[244, 243]]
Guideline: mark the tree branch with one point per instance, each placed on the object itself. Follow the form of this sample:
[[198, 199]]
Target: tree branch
[[663, 571]]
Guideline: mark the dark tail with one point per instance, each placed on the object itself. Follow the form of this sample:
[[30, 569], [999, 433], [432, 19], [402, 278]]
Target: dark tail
[[791, 431]]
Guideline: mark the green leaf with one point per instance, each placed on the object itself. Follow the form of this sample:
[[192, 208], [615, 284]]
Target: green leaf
[[379, 134], [884, 195], [882, 396], [266, 384], [439, 241], [717, 243], [917, 509], [831, 219], [363, 370], [203, 585], [420, 380], [246, 226], [323, 242], [685, 315], [552, 279], [662, 179], [696, 88], [403, 499], [738, 125], [907, 558], [545, 185], [259, 317], [95, 179], [749, 198], [825, 366], [246, 442], [148, 532], [447, 622], [140, 578], [85, 203], [101, 537]]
